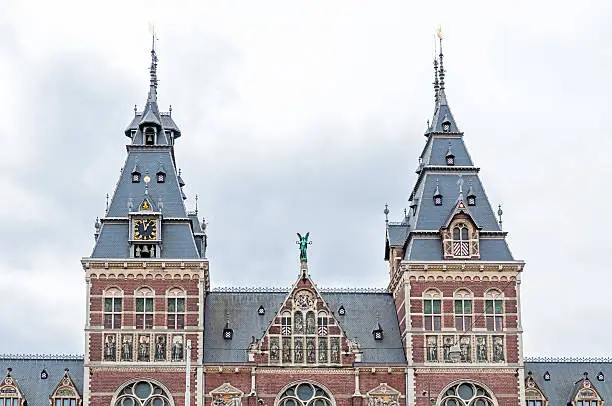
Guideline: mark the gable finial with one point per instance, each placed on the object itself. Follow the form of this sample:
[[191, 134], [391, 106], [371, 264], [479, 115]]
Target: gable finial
[[106, 210], [196, 204], [499, 214], [386, 211]]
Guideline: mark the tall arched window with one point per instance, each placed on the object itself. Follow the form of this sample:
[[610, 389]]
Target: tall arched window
[[463, 310], [144, 308], [176, 309], [466, 394], [304, 394], [461, 240], [143, 393], [494, 310], [432, 310], [113, 307]]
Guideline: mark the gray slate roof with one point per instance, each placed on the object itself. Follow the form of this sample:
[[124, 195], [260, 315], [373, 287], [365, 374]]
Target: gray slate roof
[[358, 322], [26, 372], [564, 375]]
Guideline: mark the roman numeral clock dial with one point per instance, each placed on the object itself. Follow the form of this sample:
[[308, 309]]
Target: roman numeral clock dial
[[145, 229]]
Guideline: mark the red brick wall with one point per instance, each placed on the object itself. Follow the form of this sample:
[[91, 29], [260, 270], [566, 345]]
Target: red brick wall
[[504, 385], [104, 383]]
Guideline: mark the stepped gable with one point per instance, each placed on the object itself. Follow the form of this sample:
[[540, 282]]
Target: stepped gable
[[150, 172]]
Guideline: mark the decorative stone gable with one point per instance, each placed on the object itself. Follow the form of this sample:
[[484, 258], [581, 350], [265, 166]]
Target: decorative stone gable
[[226, 395], [9, 390], [66, 389], [303, 332], [383, 395]]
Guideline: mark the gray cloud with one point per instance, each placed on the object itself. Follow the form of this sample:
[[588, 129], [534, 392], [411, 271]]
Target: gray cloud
[[290, 129]]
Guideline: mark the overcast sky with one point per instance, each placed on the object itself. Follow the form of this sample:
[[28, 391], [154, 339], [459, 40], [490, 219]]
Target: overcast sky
[[307, 116]]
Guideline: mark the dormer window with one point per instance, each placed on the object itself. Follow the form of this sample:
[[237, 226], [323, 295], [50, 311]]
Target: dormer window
[[149, 136], [341, 310], [471, 199], [377, 333], [446, 126], [450, 157], [135, 177], [437, 197], [461, 240], [161, 177], [587, 395]]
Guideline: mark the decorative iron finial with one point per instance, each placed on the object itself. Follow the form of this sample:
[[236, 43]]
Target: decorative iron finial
[[170, 110], [499, 213], [435, 82], [460, 183], [405, 212], [386, 211], [441, 56], [437, 191], [196, 204], [106, 211], [303, 243], [135, 109]]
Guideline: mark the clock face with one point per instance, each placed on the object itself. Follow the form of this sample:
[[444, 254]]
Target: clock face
[[145, 229]]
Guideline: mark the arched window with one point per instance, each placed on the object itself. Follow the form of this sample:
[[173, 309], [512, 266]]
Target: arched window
[[494, 310], [113, 307], [463, 310], [461, 240], [144, 308], [432, 310], [304, 394], [143, 393], [466, 394], [176, 309]]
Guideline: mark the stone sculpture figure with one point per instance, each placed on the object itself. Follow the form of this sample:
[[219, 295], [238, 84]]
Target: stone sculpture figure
[[303, 243]]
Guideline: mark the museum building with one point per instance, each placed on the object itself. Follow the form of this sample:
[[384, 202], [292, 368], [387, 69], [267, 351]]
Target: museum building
[[446, 330]]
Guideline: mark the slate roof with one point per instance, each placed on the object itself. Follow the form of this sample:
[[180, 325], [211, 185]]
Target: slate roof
[[564, 375], [358, 322], [177, 229], [452, 181], [27, 369]]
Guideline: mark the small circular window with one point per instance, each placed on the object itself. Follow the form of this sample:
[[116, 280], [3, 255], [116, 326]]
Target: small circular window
[[305, 394]]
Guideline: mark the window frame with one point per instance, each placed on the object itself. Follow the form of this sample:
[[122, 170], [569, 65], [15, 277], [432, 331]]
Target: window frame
[[115, 314], [494, 315], [178, 317], [144, 319], [432, 319], [464, 321]]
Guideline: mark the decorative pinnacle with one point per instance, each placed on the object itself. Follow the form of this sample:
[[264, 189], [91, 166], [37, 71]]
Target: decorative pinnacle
[[196, 204], [499, 213], [441, 56], [386, 211], [106, 211], [435, 82]]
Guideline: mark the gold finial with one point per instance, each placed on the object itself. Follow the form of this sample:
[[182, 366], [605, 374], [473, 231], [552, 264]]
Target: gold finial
[[439, 33]]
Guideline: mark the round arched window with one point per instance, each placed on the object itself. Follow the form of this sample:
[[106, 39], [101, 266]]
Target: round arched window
[[305, 394], [466, 394], [143, 393]]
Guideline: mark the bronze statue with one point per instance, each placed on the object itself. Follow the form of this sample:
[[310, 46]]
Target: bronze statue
[[303, 243]]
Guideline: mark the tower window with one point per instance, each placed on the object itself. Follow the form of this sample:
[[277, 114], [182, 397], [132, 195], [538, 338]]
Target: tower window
[[494, 310], [450, 160], [112, 312], [446, 126], [135, 177], [461, 244], [176, 313], [149, 136], [161, 177], [471, 199], [463, 311], [432, 311], [144, 312]]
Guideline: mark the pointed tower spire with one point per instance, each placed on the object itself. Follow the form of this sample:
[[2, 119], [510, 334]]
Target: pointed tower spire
[[443, 120], [151, 111]]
